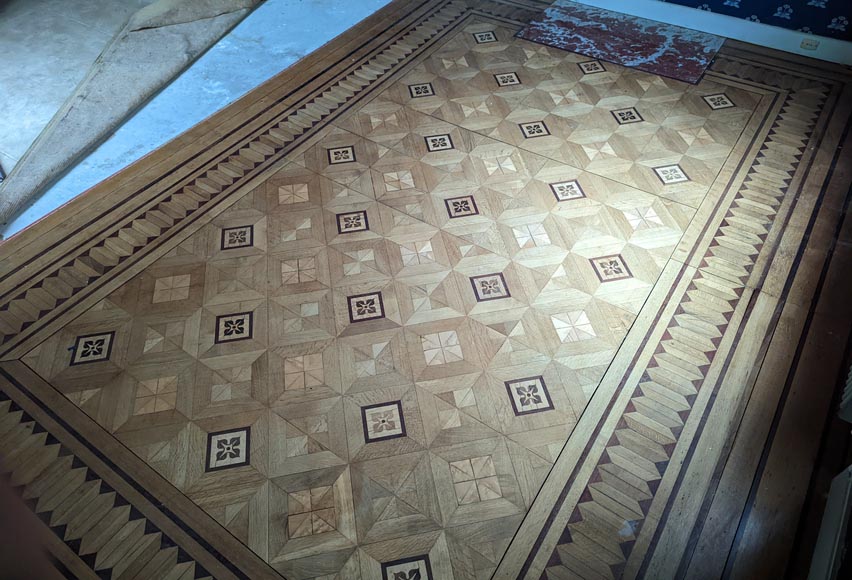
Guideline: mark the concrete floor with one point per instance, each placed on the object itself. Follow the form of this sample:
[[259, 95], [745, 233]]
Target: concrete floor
[[272, 38], [47, 47]]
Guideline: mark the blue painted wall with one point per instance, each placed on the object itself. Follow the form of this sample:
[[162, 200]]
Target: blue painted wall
[[831, 18]]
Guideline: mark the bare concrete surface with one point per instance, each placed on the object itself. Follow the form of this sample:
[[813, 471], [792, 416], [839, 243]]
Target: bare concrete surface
[[46, 48], [157, 43]]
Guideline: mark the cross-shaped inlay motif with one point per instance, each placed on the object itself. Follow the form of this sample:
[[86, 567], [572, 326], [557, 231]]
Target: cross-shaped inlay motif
[[475, 480], [171, 288], [441, 348], [311, 511]]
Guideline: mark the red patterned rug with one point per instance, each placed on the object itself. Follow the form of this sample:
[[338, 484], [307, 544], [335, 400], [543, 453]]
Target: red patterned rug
[[648, 45]]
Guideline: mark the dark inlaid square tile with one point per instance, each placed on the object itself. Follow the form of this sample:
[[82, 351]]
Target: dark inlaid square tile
[[367, 306], [534, 129], [421, 90], [92, 348], [529, 395], [337, 155], [228, 449], [439, 143], [671, 174], [383, 421], [484, 37], [461, 206], [350, 222], [489, 287], [238, 237], [591, 67], [233, 327], [609, 268], [507, 79], [627, 116], [719, 101], [567, 190]]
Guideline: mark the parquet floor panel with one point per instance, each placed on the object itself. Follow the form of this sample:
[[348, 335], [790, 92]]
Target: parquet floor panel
[[459, 306]]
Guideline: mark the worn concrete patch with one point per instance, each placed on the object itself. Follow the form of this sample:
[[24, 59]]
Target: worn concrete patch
[[157, 44]]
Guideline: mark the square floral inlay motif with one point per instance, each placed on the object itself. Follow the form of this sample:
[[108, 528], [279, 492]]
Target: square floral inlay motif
[[670, 174], [529, 395], [239, 237], [413, 568], [719, 101], [355, 221], [507, 79], [421, 90], [534, 129], [609, 268], [338, 155], [567, 190], [461, 206], [383, 421], [475, 480], [489, 287], [92, 348], [367, 306], [233, 327], [484, 37], [228, 449], [626, 116], [591, 67], [438, 142]]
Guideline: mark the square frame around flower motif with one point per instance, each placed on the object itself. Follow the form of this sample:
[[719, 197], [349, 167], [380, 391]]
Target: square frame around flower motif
[[228, 449], [529, 395], [363, 307], [383, 421], [91, 348], [490, 287], [611, 268], [234, 327]]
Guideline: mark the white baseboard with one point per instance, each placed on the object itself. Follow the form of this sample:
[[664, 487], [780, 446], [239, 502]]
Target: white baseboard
[[830, 49]]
